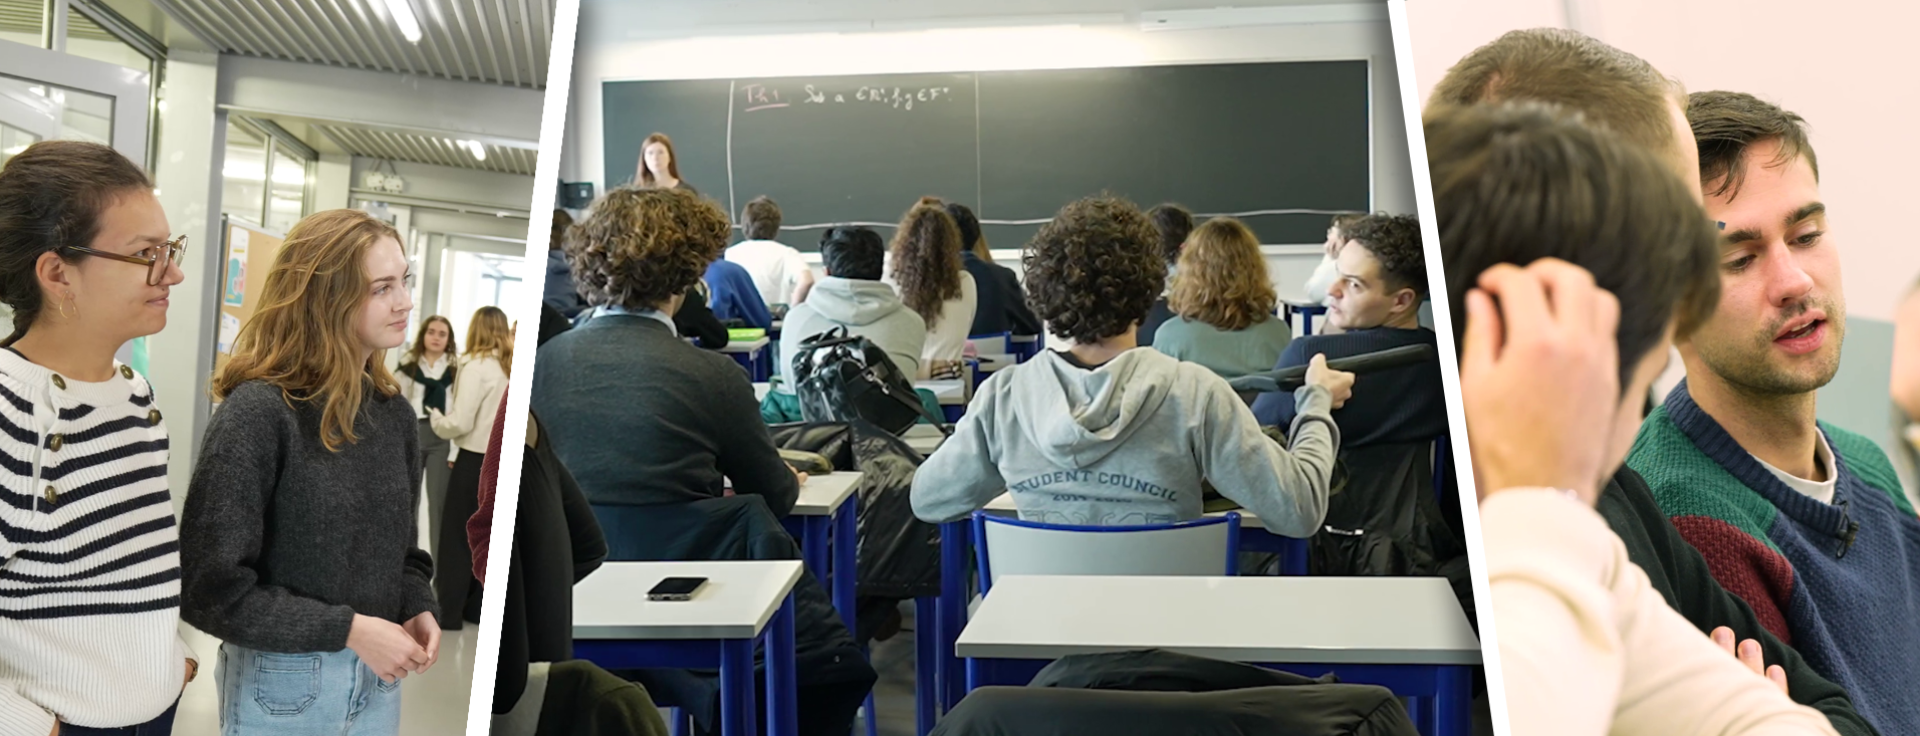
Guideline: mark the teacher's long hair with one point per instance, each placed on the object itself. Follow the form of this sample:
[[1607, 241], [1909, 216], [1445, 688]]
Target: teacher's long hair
[[301, 339]]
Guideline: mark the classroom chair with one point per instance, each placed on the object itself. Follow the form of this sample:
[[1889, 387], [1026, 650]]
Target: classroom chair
[[1010, 546]]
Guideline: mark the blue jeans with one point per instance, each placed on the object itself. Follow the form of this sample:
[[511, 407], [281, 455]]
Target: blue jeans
[[161, 725], [303, 695]]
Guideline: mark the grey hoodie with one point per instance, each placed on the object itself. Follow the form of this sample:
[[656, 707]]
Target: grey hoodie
[[870, 309], [1127, 443]]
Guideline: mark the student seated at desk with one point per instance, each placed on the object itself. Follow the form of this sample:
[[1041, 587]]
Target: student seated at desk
[[1376, 302], [643, 419], [1173, 224], [733, 296], [926, 270], [1002, 304], [780, 275], [1109, 434], [853, 297], [1223, 303]]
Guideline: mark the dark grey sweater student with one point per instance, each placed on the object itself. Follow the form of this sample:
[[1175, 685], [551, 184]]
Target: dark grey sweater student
[[298, 538]]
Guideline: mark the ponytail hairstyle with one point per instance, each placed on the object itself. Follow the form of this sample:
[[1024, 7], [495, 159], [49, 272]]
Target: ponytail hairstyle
[[51, 198]]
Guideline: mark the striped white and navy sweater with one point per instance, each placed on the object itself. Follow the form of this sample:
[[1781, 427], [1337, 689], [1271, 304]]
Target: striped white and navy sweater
[[89, 553]]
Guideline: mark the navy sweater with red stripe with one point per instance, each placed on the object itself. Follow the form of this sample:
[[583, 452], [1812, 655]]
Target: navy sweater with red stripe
[[1839, 582]]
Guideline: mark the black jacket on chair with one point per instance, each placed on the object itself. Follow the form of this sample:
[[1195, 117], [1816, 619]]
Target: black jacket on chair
[[899, 555], [1385, 519], [1152, 692]]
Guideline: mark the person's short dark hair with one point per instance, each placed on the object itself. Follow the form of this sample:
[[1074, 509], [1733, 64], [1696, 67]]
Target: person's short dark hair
[[1345, 222], [1577, 72], [561, 221], [1394, 241], [639, 247], [1172, 223], [760, 219], [51, 198], [969, 225], [1519, 182], [853, 253], [1094, 269], [1726, 124]]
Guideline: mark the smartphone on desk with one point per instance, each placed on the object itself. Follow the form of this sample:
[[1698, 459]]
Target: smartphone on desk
[[675, 589]]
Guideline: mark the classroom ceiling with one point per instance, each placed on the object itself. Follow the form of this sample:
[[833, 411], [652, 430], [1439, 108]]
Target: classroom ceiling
[[494, 41], [424, 149]]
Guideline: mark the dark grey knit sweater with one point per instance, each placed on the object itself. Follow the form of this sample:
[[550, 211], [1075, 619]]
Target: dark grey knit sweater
[[283, 541]]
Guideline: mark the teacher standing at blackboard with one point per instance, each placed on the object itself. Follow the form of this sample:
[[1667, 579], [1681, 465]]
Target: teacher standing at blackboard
[[659, 167]]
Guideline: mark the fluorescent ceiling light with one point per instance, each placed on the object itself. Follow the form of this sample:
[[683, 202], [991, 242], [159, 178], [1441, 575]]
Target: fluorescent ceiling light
[[403, 16], [473, 147]]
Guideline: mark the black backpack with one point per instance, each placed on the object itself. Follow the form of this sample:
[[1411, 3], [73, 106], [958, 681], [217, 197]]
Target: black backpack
[[840, 376]]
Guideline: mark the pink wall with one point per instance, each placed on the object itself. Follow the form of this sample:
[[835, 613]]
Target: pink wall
[[1847, 67]]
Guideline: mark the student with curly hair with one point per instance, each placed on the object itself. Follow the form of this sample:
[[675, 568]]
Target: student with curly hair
[[644, 420], [1107, 434], [927, 272], [1376, 302], [1224, 303]]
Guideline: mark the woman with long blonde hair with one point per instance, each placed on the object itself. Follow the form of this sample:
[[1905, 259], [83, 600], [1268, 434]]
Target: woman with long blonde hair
[[477, 392], [298, 536], [925, 267], [659, 166], [1223, 303]]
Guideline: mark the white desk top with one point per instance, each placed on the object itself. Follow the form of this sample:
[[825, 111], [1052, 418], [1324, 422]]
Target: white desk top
[[923, 438], [1308, 620], [949, 392], [737, 601], [760, 389], [1003, 505], [821, 494], [1024, 338], [737, 346]]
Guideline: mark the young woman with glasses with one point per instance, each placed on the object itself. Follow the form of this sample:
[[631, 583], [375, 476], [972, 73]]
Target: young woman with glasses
[[89, 561]]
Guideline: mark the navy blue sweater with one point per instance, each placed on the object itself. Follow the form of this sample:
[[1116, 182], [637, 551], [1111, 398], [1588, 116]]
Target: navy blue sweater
[[1839, 582], [735, 296]]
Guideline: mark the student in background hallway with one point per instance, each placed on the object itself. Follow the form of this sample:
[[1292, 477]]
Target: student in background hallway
[[559, 287], [1644, 108], [1376, 303], [86, 262], [1171, 223], [1223, 303], [1002, 302], [426, 376], [932, 283], [477, 392], [659, 165], [1109, 434], [1586, 644], [780, 275], [297, 544]]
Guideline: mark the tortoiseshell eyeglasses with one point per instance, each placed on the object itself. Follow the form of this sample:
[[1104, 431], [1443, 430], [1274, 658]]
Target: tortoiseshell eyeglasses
[[155, 258]]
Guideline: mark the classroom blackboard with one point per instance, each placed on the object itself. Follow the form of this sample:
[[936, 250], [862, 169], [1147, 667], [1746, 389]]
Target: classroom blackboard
[[1281, 144]]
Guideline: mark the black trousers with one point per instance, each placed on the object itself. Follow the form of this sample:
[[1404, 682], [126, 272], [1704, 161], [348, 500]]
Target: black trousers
[[453, 583]]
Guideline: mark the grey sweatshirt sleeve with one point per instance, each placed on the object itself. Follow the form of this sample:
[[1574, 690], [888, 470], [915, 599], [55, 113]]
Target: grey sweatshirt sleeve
[[222, 530], [1286, 487], [962, 475]]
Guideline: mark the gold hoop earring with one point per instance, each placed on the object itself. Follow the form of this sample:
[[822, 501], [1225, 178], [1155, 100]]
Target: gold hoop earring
[[63, 308]]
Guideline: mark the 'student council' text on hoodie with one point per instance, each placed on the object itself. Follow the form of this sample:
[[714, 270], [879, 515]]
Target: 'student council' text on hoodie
[[1127, 443]]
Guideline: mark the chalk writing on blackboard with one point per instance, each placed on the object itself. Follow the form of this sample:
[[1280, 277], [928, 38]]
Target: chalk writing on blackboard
[[762, 97]]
